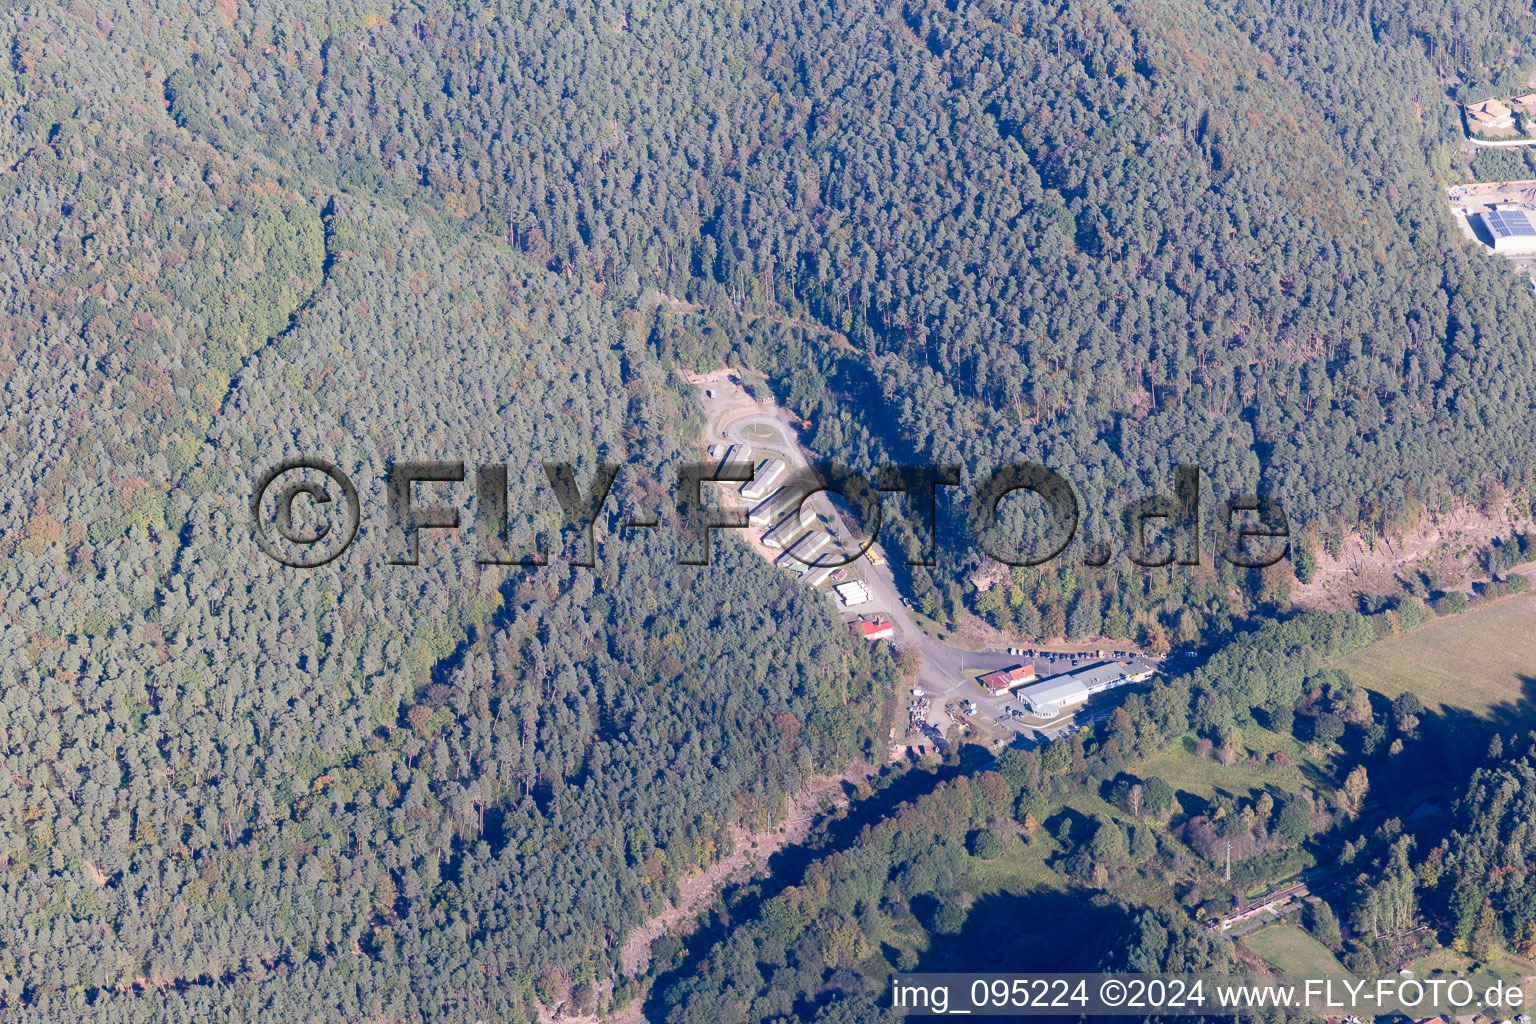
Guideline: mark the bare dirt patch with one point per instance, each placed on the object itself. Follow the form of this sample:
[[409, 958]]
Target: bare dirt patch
[[1443, 547], [752, 852], [673, 304]]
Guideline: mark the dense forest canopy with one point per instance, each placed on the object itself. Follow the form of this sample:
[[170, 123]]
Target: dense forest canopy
[[1141, 232], [1126, 870], [1112, 237]]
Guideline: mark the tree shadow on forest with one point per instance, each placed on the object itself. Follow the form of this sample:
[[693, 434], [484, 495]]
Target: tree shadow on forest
[[787, 867], [1432, 770], [1042, 930], [1450, 741]]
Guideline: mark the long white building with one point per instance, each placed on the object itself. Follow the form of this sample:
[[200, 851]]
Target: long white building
[[771, 507], [1509, 227], [816, 577], [1050, 697], [789, 528], [736, 453], [764, 477], [807, 547]]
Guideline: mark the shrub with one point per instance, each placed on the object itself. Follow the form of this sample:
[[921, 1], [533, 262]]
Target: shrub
[[986, 845]]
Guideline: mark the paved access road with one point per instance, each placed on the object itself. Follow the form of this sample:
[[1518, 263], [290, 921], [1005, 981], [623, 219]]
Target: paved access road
[[942, 676], [885, 599]]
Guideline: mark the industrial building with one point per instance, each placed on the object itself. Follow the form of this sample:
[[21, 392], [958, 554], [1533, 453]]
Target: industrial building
[[1139, 675], [854, 592], [806, 548], [1509, 226], [875, 629], [1006, 679], [788, 528], [1050, 697], [734, 455], [1053, 696], [816, 577], [771, 507], [763, 479], [793, 565]]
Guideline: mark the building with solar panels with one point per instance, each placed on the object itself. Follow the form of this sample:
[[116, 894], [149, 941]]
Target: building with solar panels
[[1510, 228]]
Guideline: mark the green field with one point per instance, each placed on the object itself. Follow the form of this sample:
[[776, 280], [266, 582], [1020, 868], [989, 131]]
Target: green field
[[1204, 777], [1479, 660], [759, 432], [1293, 952], [1021, 869], [1187, 771], [1504, 968]]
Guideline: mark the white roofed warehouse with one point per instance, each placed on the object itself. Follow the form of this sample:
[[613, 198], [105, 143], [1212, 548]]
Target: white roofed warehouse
[[1050, 697], [806, 548], [771, 507], [816, 577], [764, 477], [1053, 696], [1509, 226], [789, 528]]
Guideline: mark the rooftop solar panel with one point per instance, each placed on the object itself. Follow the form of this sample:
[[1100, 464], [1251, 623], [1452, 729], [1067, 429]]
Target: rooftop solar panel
[[1509, 223]]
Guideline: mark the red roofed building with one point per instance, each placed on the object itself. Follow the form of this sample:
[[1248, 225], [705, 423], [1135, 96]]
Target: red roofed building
[[875, 629], [1006, 679]]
